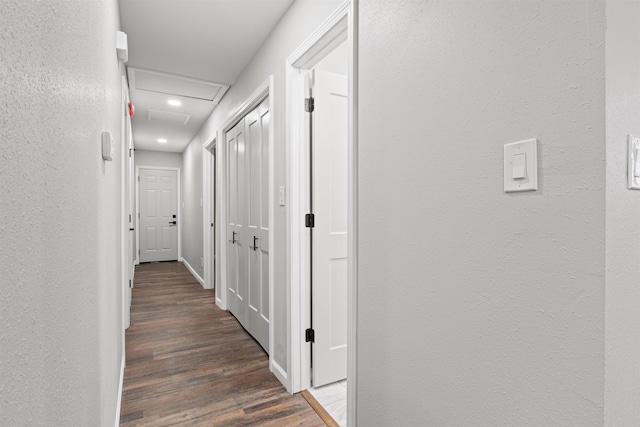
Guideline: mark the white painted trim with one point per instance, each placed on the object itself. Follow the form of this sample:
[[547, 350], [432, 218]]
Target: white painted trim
[[352, 197], [273, 366], [279, 372], [120, 384], [208, 214], [179, 219], [124, 223], [215, 101], [266, 89], [193, 272], [335, 30]]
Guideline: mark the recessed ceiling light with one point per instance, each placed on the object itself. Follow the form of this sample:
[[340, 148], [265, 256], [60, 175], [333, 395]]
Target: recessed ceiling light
[[162, 140], [174, 102]]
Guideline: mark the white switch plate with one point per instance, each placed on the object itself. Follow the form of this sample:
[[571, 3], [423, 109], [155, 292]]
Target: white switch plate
[[107, 146], [633, 168], [282, 196], [529, 148]]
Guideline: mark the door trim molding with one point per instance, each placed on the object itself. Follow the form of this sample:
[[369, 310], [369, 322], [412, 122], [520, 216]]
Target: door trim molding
[[209, 216], [266, 89], [137, 214], [340, 26]]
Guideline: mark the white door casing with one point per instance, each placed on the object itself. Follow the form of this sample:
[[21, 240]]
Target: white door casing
[[329, 294], [340, 26], [126, 247], [248, 222], [158, 215], [223, 266]]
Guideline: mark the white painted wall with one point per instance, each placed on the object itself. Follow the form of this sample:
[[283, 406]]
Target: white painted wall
[[478, 307], [622, 321], [158, 159], [60, 293], [297, 24], [192, 232]]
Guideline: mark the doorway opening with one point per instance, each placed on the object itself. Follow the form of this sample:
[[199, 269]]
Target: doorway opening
[[157, 222], [321, 164], [211, 215]]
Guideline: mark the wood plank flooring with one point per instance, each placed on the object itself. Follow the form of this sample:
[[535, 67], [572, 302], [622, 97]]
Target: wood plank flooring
[[191, 364]]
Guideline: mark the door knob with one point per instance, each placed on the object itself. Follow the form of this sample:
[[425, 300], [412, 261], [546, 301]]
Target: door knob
[[233, 238], [173, 222]]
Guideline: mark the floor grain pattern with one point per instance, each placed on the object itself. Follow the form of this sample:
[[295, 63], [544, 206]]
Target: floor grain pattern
[[191, 364]]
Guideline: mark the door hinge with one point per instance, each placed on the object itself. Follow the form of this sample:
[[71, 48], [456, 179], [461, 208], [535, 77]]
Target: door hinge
[[309, 104], [130, 285], [309, 335], [138, 178], [129, 217], [309, 220], [138, 251], [138, 215]]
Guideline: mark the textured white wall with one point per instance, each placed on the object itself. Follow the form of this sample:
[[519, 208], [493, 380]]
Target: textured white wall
[[60, 295], [622, 380], [478, 307], [192, 233], [298, 23]]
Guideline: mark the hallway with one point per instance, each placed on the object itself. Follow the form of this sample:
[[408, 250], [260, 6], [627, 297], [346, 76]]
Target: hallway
[[191, 364]]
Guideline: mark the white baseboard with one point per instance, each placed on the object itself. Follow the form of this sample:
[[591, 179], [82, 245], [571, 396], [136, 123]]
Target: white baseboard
[[119, 401], [193, 272], [280, 374]]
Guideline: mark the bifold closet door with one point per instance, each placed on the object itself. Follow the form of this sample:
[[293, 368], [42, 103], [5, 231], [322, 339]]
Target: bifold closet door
[[248, 222], [236, 260], [257, 231]]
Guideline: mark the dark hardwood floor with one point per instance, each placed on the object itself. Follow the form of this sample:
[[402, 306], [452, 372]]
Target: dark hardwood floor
[[191, 364]]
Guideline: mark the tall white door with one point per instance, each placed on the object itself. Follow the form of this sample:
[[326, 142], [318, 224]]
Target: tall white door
[[257, 234], [248, 222], [329, 259], [236, 248], [158, 215]]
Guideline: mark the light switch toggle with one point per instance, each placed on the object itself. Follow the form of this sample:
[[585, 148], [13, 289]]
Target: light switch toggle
[[519, 166], [633, 163]]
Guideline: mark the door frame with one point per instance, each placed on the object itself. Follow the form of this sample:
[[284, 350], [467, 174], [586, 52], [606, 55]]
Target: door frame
[[209, 216], [266, 89], [126, 143], [179, 214], [340, 26]]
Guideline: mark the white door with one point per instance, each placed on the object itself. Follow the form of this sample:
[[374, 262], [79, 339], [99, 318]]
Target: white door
[[257, 234], [236, 249], [329, 259], [248, 222], [158, 215]]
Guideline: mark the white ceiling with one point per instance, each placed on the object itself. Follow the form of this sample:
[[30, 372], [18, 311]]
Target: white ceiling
[[191, 51]]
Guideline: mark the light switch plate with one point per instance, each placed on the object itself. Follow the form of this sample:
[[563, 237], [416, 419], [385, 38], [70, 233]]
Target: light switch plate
[[107, 146], [513, 169], [633, 167]]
